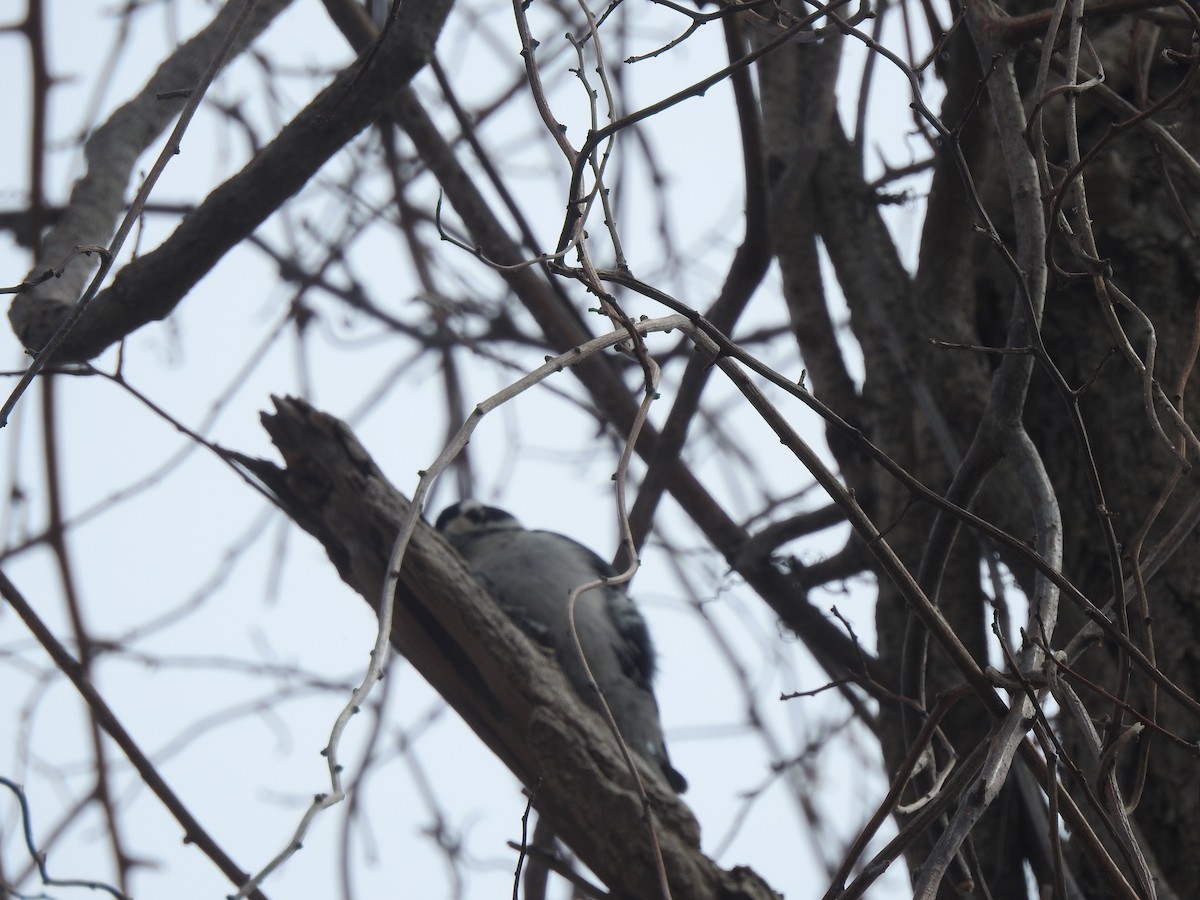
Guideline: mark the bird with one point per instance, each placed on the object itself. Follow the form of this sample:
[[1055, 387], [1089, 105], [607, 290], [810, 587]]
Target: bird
[[531, 574]]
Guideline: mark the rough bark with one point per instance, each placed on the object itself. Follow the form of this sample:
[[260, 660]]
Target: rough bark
[[964, 294], [510, 693]]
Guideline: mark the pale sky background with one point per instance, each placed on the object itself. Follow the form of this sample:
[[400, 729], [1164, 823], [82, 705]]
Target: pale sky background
[[221, 697]]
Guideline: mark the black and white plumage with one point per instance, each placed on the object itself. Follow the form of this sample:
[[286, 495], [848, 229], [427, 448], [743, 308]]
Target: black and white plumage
[[531, 574]]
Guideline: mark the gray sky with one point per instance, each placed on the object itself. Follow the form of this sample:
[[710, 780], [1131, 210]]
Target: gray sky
[[222, 693]]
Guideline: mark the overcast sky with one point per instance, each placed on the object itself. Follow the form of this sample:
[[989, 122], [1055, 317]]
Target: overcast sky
[[238, 644]]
